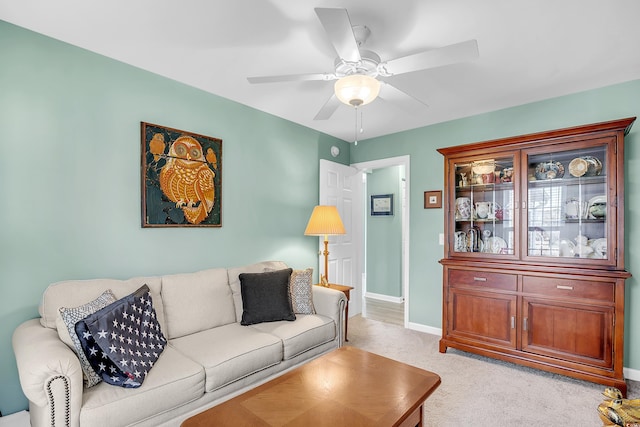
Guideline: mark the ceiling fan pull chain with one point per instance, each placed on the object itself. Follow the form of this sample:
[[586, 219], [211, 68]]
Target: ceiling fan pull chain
[[355, 136]]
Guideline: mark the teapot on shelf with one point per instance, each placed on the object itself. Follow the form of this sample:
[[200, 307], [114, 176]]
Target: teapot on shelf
[[582, 248], [484, 210], [463, 208]]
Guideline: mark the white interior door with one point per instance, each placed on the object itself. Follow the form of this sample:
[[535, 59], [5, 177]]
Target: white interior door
[[339, 187]]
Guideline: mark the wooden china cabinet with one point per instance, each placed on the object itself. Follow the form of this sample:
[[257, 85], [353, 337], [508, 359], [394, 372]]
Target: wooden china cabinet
[[533, 271]]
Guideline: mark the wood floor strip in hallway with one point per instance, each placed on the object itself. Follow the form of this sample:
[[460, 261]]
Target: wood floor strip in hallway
[[385, 311]]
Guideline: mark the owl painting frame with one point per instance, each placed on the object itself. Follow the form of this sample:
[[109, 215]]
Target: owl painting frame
[[181, 178]]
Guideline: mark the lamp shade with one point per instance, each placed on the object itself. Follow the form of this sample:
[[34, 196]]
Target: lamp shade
[[325, 220], [357, 89]]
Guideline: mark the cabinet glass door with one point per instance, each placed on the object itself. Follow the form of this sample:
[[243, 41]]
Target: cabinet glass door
[[567, 206], [483, 207]]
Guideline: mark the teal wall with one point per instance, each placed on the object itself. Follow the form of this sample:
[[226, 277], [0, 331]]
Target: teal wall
[[384, 235], [609, 103], [70, 174]]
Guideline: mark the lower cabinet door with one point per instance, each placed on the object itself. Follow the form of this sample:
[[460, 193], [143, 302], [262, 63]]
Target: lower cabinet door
[[486, 317], [573, 332]]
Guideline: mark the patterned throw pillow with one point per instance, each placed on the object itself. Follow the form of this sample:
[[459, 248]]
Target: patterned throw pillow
[[301, 291], [70, 316]]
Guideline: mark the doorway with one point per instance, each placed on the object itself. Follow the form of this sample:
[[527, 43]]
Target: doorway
[[384, 244], [345, 187]]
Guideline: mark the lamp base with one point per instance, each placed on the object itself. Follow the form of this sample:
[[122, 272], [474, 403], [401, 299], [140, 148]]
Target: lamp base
[[323, 280]]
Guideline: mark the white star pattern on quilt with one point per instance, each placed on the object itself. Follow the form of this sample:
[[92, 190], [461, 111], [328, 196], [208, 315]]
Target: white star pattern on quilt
[[127, 338]]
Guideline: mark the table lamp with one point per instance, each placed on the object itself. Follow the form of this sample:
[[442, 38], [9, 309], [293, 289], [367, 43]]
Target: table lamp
[[325, 221]]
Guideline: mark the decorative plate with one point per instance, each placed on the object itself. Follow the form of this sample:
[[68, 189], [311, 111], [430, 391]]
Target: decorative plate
[[595, 166], [585, 166], [549, 170], [578, 167], [494, 245]]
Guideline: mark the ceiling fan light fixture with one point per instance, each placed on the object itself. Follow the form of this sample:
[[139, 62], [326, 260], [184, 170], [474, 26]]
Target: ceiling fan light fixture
[[357, 89]]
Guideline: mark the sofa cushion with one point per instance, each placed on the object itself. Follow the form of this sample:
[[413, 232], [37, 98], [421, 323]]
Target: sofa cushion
[[194, 302], [266, 297], [234, 280], [174, 381], [72, 293], [230, 352], [69, 317], [301, 291], [307, 332]]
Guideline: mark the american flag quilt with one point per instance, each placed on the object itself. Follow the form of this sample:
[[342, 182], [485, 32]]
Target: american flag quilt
[[123, 340]]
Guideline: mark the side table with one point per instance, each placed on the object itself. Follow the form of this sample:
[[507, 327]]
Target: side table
[[345, 289]]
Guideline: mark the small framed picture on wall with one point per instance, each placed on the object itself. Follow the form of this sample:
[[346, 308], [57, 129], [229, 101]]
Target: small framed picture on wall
[[382, 204], [433, 199]]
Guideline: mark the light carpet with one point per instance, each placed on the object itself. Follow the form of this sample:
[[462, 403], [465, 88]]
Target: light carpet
[[479, 391]]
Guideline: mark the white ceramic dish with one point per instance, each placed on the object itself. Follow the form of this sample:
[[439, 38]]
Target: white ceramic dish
[[494, 245], [599, 247], [597, 200], [567, 248]]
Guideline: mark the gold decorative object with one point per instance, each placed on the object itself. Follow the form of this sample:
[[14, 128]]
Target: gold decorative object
[[616, 411], [323, 280]]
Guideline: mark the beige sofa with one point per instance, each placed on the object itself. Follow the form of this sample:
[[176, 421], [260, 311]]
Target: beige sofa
[[209, 358]]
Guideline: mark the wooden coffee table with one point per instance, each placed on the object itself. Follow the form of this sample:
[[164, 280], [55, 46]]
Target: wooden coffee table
[[347, 387]]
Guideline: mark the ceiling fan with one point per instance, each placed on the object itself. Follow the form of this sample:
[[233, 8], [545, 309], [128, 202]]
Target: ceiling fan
[[360, 73]]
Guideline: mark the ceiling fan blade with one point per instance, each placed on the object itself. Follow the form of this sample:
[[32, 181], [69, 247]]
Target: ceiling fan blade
[[399, 98], [292, 78], [338, 27], [459, 52], [328, 108]]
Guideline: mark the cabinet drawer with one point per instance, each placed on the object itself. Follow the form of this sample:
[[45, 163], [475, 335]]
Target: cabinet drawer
[[570, 288], [483, 279]]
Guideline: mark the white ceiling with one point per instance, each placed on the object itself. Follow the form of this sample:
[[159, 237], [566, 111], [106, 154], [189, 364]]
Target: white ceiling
[[529, 50]]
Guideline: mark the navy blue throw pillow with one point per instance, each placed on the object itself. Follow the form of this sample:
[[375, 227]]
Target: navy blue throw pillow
[[265, 297], [123, 340]]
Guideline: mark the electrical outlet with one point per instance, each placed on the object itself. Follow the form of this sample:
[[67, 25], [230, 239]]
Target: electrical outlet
[[441, 239]]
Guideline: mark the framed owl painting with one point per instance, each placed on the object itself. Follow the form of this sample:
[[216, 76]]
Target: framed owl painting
[[181, 178]]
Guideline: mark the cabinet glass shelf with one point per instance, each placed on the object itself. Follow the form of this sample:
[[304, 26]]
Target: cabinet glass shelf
[[486, 187], [568, 181]]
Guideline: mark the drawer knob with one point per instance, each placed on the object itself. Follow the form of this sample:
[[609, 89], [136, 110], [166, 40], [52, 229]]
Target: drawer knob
[[480, 279], [568, 288]]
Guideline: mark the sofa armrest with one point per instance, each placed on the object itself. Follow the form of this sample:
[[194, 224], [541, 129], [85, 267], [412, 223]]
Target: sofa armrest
[[331, 303], [50, 375]]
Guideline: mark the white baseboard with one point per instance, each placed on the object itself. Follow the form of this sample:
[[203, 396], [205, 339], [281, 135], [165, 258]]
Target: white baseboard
[[423, 328], [386, 298], [630, 374]]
